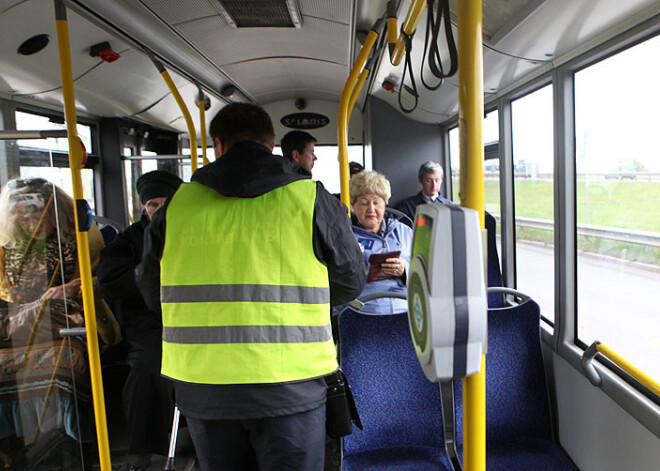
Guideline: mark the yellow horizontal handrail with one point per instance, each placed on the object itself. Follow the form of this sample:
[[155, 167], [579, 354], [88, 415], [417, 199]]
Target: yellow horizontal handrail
[[408, 28], [629, 368]]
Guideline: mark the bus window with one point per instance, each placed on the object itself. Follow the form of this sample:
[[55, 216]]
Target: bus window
[[32, 122], [491, 137], [533, 158], [48, 158], [326, 167], [455, 159], [618, 188]]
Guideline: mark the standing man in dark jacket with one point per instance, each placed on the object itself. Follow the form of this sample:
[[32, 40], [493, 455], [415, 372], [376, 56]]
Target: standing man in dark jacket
[[147, 396], [430, 178], [246, 261]]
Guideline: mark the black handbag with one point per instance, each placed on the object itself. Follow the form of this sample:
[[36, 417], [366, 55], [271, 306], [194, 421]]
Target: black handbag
[[341, 413]]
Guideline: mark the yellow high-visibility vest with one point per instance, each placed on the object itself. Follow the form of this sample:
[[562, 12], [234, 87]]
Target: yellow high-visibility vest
[[244, 298]]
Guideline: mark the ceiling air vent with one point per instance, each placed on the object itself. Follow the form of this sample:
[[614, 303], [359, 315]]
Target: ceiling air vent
[[261, 13]]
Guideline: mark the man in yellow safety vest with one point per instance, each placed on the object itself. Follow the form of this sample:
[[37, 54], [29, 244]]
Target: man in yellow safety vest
[[245, 262]]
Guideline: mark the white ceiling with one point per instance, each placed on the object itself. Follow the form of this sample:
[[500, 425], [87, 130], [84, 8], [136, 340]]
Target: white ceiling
[[271, 65]]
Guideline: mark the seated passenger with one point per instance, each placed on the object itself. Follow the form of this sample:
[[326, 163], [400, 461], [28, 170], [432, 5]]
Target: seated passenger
[[377, 233], [147, 396], [44, 378], [430, 178]]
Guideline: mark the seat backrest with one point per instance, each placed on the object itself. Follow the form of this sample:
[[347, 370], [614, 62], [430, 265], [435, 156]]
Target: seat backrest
[[398, 406], [399, 216], [495, 300], [517, 404]]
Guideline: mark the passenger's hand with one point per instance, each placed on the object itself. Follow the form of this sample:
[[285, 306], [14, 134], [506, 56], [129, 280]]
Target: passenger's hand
[[393, 266], [71, 289]]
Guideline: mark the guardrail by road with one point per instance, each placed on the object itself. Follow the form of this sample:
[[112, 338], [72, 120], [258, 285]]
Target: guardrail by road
[[649, 239]]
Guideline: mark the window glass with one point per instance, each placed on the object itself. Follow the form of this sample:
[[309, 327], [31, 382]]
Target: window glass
[[533, 145], [132, 171], [491, 138], [326, 167], [618, 189], [62, 178], [455, 160], [34, 122]]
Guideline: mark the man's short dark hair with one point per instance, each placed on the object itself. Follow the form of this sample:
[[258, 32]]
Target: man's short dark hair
[[239, 122], [295, 140]]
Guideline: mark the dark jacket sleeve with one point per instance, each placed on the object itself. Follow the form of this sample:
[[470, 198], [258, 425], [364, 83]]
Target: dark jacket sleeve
[[147, 273], [335, 246], [116, 274]]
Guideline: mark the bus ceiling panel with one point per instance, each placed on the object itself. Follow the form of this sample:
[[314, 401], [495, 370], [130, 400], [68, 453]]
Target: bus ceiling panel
[[134, 21], [438, 110], [40, 72], [279, 79], [317, 39], [188, 10], [557, 27], [324, 36]]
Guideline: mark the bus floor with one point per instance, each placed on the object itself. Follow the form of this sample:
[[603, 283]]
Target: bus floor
[[113, 381]]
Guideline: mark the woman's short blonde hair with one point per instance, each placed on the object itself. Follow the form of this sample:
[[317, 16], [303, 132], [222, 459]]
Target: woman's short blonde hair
[[368, 182]]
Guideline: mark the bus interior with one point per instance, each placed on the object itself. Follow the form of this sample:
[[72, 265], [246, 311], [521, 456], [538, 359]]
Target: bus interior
[[571, 163]]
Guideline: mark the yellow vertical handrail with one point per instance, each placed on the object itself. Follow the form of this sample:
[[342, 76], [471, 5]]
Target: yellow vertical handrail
[[76, 163], [344, 112], [471, 105], [184, 109], [409, 26], [629, 368], [201, 103]]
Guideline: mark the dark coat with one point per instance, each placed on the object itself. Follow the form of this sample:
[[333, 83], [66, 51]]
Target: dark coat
[[116, 279], [248, 170], [408, 206]]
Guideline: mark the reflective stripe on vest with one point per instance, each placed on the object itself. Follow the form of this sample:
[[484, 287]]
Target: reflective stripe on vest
[[244, 298]]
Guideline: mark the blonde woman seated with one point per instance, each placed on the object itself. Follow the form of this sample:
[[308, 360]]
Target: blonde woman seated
[[386, 242]]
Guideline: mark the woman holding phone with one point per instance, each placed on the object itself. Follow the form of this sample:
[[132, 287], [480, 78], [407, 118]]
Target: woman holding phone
[[385, 241]]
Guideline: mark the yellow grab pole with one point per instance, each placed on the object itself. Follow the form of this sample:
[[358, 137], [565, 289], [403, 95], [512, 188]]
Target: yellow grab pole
[[409, 26], [201, 103], [357, 89], [471, 105], [392, 31], [344, 111], [629, 368], [184, 109], [76, 163]]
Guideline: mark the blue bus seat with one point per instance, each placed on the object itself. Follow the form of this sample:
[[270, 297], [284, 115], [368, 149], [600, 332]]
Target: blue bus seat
[[109, 228], [518, 420], [399, 408]]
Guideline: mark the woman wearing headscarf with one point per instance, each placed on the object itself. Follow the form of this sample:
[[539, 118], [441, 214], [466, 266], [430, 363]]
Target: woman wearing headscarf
[[377, 233]]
